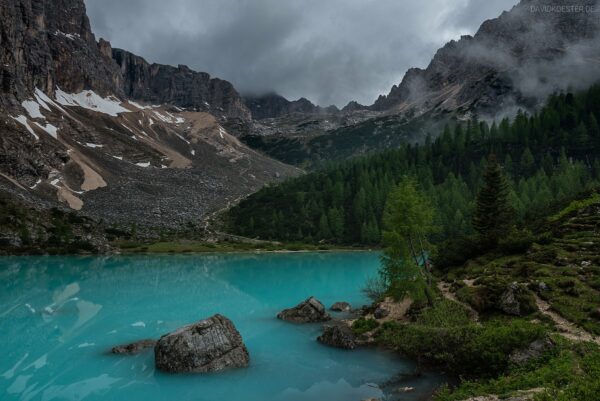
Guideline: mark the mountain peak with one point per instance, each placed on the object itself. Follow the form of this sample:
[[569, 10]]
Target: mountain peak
[[515, 60]]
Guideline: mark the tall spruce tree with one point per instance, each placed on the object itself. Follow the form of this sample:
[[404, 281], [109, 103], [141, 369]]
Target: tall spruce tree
[[493, 216]]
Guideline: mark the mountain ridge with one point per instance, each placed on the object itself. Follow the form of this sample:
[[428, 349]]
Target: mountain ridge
[[513, 61]]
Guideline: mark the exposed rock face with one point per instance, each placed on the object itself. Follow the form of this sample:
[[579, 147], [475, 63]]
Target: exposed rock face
[[515, 300], [273, 105], [157, 83], [515, 60], [341, 307], [133, 348], [535, 350], [381, 312], [338, 335], [309, 311], [37, 48], [49, 43], [210, 345]]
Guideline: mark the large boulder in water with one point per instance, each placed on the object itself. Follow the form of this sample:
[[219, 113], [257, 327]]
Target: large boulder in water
[[211, 345], [309, 311]]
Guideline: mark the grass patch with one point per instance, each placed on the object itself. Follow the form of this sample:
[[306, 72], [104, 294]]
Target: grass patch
[[221, 247], [575, 206]]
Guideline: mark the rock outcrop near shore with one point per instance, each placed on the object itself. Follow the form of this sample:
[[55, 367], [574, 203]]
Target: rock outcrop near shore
[[338, 335], [309, 311], [341, 307], [211, 345]]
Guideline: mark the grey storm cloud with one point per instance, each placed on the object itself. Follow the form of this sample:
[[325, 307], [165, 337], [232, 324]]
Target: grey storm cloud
[[329, 51]]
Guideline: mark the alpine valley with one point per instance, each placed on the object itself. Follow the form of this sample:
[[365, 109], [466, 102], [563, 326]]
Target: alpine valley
[[468, 195], [100, 133]]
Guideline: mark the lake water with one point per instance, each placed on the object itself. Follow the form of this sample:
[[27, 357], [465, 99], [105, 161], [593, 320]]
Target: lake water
[[59, 317]]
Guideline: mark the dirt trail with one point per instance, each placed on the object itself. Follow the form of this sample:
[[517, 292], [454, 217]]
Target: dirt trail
[[12, 180], [566, 328], [448, 294]]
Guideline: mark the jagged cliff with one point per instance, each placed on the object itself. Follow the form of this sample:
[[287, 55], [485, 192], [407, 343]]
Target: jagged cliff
[[49, 43], [515, 60], [180, 86]]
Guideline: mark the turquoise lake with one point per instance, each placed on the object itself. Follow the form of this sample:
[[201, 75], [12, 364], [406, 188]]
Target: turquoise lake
[[59, 317]]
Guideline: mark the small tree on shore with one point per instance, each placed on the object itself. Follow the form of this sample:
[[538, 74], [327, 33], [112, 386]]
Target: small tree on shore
[[493, 216], [408, 220]]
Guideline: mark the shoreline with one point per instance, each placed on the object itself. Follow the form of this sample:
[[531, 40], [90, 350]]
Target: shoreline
[[195, 253]]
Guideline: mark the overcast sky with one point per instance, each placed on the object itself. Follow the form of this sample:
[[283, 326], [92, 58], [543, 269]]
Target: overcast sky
[[330, 51]]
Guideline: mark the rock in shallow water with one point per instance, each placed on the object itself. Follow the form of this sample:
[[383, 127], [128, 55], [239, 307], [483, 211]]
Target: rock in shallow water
[[341, 307], [338, 335], [309, 311], [133, 348], [211, 345]]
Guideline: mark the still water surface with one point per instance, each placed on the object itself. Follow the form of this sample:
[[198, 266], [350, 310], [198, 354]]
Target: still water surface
[[60, 315]]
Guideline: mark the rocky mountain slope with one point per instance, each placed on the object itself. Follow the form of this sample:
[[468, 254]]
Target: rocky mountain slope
[[514, 61], [107, 134]]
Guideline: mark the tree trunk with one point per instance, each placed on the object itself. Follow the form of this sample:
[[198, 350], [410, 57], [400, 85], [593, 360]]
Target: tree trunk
[[412, 249]]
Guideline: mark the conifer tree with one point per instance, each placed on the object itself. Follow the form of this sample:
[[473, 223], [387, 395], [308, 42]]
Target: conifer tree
[[527, 163], [324, 230], [493, 214], [408, 221]]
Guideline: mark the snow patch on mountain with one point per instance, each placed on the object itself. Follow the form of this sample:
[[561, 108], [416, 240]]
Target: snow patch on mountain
[[23, 121], [32, 108], [50, 130], [92, 101]]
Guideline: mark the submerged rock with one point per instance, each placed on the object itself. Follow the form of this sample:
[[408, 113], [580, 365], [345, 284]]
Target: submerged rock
[[309, 311], [341, 307], [211, 345], [133, 348], [338, 335]]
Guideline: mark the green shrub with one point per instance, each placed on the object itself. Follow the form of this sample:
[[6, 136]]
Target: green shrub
[[569, 373], [470, 350], [518, 241], [362, 325], [456, 252], [446, 313]]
